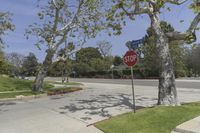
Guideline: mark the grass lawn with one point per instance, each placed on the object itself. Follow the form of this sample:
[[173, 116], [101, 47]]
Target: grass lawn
[[14, 94], [150, 120], [13, 84]]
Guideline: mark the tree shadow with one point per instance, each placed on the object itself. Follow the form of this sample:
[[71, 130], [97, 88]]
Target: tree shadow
[[57, 97], [103, 105], [7, 103]]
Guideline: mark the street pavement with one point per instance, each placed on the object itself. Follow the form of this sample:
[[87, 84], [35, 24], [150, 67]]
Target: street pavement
[[76, 112], [180, 83]]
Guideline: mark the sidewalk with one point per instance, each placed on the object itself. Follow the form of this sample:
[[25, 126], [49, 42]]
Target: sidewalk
[[42, 120], [191, 126]]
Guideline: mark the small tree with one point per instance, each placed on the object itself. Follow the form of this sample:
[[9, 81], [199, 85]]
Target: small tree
[[16, 60], [117, 61], [61, 19], [85, 55], [5, 66], [193, 60], [29, 65]]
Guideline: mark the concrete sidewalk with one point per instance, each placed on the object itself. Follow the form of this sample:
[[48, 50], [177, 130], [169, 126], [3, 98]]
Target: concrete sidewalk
[[41, 120], [191, 126]]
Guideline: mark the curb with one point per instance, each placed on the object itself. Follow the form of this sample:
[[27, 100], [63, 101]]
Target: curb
[[23, 98], [178, 130], [191, 126]]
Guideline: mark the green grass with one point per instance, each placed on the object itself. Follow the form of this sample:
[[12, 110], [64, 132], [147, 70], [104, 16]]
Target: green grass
[[13, 84], [151, 120], [14, 94]]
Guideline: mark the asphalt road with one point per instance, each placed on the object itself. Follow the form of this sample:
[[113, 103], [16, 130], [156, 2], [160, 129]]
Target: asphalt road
[[180, 83], [75, 112]]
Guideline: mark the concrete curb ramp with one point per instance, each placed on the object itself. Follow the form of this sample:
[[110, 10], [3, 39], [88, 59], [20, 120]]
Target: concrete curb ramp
[[191, 126]]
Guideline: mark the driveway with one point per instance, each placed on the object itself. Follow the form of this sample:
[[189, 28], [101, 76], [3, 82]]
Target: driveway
[[75, 112]]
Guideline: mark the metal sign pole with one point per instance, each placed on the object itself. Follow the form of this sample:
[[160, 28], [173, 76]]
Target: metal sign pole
[[134, 107]]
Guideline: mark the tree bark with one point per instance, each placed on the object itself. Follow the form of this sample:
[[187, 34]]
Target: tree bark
[[167, 88], [38, 83]]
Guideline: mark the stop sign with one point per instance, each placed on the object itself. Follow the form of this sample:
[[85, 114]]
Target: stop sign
[[130, 58]]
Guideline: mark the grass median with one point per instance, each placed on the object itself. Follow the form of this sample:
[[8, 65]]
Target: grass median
[[12, 87], [159, 119], [14, 84]]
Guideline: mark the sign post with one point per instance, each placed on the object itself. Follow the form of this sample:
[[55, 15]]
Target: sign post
[[133, 92], [130, 59]]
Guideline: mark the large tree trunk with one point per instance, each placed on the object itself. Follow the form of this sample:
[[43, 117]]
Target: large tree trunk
[[167, 89], [38, 83]]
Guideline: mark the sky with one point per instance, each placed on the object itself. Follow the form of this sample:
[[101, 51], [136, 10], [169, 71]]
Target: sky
[[25, 13]]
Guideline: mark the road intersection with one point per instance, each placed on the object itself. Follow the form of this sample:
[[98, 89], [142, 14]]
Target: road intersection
[[76, 112]]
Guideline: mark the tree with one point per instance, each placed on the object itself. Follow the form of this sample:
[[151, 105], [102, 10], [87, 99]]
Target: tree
[[5, 66], [151, 60], [85, 55], [81, 68], [117, 61], [61, 20], [192, 60], [64, 59], [152, 8], [5, 26], [195, 59], [29, 65], [16, 60], [56, 69], [105, 48], [99, 64]]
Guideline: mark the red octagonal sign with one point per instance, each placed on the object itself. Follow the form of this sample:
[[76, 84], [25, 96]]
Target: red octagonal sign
[[130, 58]]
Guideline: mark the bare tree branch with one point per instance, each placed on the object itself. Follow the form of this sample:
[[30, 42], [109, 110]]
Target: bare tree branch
[[74, 19], [55, 3], [176, 35], [176, 2], [194, 23], [56, 20], [137, 11], [183, 36], [62, 40]]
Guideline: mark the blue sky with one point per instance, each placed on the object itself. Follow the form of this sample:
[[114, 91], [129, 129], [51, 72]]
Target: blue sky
[[25, 13]]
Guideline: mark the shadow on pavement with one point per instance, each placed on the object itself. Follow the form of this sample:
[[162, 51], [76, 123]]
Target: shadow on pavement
[[7, 103], [102, 105], [3, 104]]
